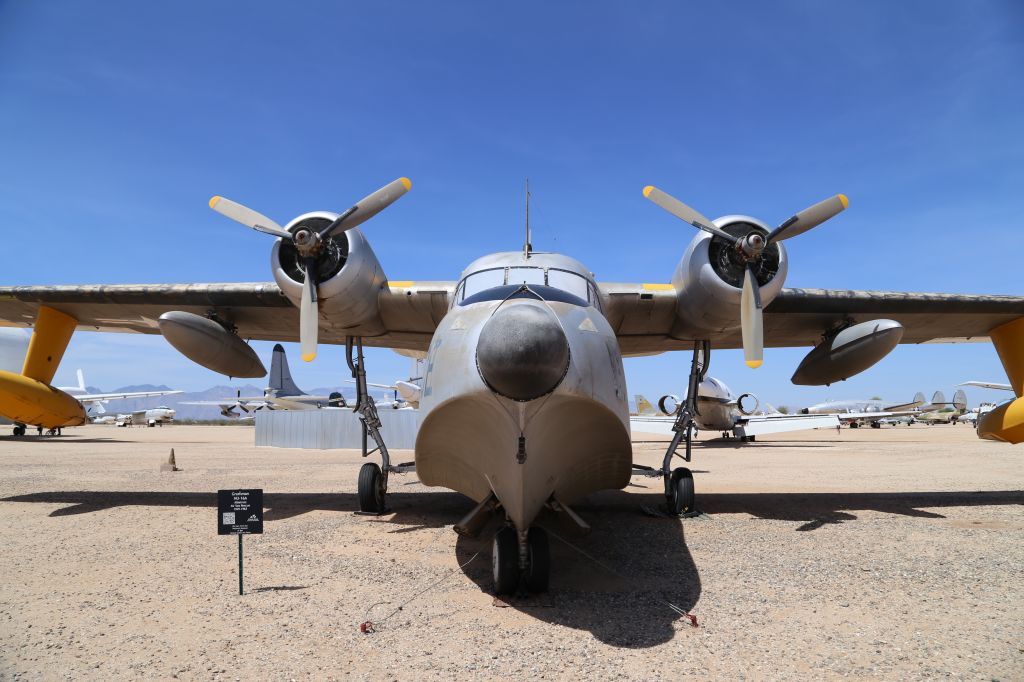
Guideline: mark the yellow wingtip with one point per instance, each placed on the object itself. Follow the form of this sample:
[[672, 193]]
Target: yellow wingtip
[[846, 202], [754, 364], [407, 183], [647, 190], [309, 358], [213, 201]]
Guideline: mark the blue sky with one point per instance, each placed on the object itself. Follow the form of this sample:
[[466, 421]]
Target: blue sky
[[120, 120]]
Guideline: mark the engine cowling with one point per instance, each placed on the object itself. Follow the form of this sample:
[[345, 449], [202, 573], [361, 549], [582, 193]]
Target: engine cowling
[[350, 275], [709, 277]]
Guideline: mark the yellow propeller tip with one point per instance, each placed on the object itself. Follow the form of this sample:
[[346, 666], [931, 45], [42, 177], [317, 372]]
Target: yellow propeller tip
[[309, 358], [846, 202], [648, 189], [213, 201], [754, 364], [407, 183]]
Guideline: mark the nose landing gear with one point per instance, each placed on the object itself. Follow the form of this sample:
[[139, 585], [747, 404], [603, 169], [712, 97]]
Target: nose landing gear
[[520, 559]]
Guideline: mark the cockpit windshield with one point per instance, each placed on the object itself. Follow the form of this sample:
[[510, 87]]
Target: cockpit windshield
[[503, 280]]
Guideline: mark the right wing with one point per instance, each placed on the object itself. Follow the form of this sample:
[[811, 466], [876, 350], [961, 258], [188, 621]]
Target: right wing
[[987, 384]]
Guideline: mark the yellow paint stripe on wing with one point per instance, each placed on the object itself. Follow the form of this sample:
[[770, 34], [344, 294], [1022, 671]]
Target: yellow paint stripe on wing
[[657, 287], [401, 284]]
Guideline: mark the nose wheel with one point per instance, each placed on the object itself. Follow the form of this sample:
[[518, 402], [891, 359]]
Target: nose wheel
[[680, 492], [518, 560]]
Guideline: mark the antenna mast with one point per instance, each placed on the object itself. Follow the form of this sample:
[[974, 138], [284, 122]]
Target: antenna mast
[[527, 246]]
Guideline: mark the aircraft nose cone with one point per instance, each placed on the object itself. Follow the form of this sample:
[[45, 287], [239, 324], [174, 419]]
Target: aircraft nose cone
[[522, 353]]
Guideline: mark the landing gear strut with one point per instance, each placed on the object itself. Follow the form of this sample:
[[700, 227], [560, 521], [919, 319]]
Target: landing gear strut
[[373, 479], [679, 490]]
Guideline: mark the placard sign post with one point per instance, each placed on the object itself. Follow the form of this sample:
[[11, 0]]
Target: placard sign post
[[239, 512]]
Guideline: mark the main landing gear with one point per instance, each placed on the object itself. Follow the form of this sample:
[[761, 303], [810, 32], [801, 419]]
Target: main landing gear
[[520, 558], [373, 479], [679, 489]]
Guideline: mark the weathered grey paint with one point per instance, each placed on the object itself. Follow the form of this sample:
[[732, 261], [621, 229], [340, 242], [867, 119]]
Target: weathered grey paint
[[852, 351]]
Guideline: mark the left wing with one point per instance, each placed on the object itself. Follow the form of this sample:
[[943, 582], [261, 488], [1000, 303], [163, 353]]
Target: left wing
[[643, 316], [409, 311], [103, 397]]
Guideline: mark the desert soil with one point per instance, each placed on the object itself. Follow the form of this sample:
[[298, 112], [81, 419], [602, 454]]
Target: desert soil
[[892, 553]]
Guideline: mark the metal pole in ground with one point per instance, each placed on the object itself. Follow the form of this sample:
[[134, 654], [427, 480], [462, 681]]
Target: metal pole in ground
[[240, 591]]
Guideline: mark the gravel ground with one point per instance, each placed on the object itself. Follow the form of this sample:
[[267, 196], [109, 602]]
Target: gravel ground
[[893, 553]]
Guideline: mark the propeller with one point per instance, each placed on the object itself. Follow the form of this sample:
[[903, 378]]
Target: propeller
[[309, 243], [750, 248]]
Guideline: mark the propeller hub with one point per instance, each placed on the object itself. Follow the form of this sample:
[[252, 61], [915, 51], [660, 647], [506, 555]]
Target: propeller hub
[[307, 242]]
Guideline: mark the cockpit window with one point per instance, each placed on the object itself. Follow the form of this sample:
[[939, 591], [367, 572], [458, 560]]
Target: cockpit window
[[508, 292], [483, 280], [576, 288], [568, 281], [526, 276]]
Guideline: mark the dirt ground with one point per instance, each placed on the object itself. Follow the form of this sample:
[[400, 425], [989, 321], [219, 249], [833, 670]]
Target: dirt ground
[[892, 553]]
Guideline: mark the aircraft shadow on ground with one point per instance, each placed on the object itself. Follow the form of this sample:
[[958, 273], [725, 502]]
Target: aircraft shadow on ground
[[637, 563], [817, 509]]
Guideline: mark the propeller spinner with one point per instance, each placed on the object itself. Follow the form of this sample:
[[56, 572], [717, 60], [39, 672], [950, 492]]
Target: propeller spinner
[[309, 243], [751, 248]]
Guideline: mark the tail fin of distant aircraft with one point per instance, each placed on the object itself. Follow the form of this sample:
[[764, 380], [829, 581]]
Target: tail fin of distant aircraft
[[280, 376], [81, 381], [960, 400], [643, 406], [939, 398], [918, 401]]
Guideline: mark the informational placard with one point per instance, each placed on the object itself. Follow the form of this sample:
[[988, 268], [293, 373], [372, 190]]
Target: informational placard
[[239, 512]]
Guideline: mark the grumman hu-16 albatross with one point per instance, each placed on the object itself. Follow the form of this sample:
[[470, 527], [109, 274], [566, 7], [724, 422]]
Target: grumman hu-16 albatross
[[718, 410], [524, 402]]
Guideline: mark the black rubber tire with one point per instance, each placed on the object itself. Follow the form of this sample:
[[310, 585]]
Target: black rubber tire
[[681, 500], [371, 489], [505, 561], [538, 560]]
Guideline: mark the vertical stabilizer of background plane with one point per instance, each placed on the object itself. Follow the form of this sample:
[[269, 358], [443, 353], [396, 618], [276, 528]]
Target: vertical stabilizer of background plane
[[643, 406], [280, 376]]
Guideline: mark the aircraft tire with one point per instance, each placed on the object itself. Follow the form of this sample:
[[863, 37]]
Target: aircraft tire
[[538, 562], [371, 489], [19, 430], [682, 492], [505, 560]]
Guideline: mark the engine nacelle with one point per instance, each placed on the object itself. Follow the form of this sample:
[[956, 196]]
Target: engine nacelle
[[1004, 422], [747, 404], [349, 274], [849, 352], [207, 343], [709, 278]]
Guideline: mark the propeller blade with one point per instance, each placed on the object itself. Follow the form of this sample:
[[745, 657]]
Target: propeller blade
[[684, 212], [248, 217], [368, 206], [308, 313], [810, 218], [751, 320]]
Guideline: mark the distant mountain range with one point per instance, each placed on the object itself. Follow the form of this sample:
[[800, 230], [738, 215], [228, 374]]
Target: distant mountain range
[[213, 393]]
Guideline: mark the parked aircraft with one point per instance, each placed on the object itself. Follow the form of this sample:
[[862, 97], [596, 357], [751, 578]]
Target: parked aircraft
[[719, 410], [156, 416], [941, 412], [524, 402], [281, 393], [27, 399]]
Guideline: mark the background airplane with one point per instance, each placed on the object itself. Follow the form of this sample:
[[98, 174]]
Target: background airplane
[[719, 410]]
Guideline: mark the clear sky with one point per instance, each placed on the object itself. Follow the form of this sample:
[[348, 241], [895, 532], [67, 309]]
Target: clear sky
[[120, 119]]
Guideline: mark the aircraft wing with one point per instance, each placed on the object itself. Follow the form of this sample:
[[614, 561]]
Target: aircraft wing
[[643, 316], [97, 397], [874, 416], [988, 384], [757, 425], [410, 311]]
